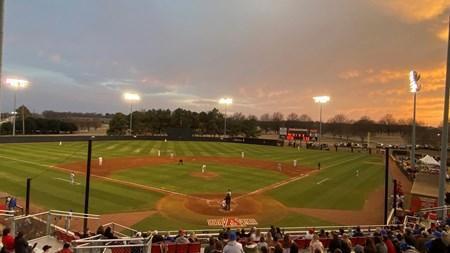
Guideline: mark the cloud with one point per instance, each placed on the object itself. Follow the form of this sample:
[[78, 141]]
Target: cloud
[[413, 11], [443, 33]]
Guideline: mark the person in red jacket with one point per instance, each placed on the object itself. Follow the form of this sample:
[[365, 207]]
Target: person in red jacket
[[7, 240], [65, 249], [389, 244]]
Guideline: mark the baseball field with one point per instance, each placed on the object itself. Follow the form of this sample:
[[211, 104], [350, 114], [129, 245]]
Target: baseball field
[[144, 185]]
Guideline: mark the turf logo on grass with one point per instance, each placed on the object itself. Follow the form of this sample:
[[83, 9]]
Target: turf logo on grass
[[232, 222]]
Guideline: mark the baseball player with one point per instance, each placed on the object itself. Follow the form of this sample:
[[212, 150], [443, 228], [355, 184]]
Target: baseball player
[[203, 168], [72, 177], [100, 161]]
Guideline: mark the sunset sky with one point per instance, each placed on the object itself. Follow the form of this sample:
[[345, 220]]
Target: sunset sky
[[81, 55]]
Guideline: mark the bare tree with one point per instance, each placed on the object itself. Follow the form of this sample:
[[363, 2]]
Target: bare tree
[[265, 117], [292, 117], [304, 118]]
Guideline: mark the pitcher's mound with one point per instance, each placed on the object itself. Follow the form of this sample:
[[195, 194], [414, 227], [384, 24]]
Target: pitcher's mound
[[205, 175]]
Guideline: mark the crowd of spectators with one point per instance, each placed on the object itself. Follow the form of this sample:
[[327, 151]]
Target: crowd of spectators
[[19, 244]]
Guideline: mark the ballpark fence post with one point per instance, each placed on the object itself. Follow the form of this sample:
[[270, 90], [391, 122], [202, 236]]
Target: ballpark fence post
[[27, 201], [386, 184], [86, 192]]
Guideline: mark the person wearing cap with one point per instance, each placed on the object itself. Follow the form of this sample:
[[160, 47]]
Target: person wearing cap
[[181, 238], [233, 246], [437, 245], [46, 248]]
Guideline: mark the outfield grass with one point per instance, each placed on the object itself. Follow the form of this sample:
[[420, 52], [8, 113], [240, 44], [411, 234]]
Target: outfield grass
[[336, 186], [340, 188]]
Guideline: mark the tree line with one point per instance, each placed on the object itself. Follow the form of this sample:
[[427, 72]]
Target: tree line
[[157, 121], [35, 123]]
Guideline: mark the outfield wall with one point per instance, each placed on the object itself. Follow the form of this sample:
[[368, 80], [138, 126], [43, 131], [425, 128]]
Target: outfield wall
[[66, 138]]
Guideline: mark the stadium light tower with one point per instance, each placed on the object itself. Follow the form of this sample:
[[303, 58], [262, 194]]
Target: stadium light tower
[[131, 98], [226, 102], [321, 100], [17, 84], [414, 87]]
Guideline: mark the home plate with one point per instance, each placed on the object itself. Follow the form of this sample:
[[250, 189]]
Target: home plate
[[66, 180], [323, 180]]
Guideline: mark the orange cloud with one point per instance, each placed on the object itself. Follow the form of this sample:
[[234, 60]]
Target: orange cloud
[[443, 33], [415, 10]]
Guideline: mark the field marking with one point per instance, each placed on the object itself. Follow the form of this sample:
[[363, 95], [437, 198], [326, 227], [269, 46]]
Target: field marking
[[66, 180], [323, 180], [275, 185], [111, 147]]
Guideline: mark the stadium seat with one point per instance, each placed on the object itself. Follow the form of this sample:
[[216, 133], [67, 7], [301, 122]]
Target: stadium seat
[[194, 247], [182, 248], [171, 248], [156, 248]]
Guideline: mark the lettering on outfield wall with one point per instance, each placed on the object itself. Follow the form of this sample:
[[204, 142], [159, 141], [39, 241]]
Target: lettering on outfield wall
[[232, 222]]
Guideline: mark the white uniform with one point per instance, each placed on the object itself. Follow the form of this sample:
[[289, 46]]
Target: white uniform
[[171, 155], [100, 161], [279, 166], [203, 168], [242, 154], [72, 178], [295, 163], [60, 143], [159, 152], [357, 173]]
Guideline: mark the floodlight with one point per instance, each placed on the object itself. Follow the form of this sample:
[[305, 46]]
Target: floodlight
[[226, 101], [17, 83], [131, 96], [414, 78], [321, 99]]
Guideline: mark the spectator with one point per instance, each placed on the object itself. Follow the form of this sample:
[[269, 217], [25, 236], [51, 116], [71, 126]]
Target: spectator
[[370, 246], [405, 248], [181, 237], [251, 246], [233, 246], [380, 245], [278, 234], [65, 249], [193, 237], [322, 233], [219, 247], [109, 234], [278, 248], [21, 244], [272, 231], [7, 241], [100, 230], [157, 238], [357, 232], [409, 238], [335, 243], [358, 249], [309, 234], [288, 245], [211, 245], [347, 244], [389, 244], [316, 244], [437, 245], [421, 240], [262, 243]]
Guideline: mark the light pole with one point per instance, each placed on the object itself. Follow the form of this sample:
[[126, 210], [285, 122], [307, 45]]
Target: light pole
[[226, 102], [131, 97], [321, 100], [444, 137], [414, 87], [17, 84]]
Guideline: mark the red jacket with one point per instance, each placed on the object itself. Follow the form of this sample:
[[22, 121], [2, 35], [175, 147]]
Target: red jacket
[[8, 242], [390, 246]]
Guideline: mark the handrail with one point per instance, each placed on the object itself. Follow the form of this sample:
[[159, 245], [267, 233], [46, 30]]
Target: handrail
[[58, 212]]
